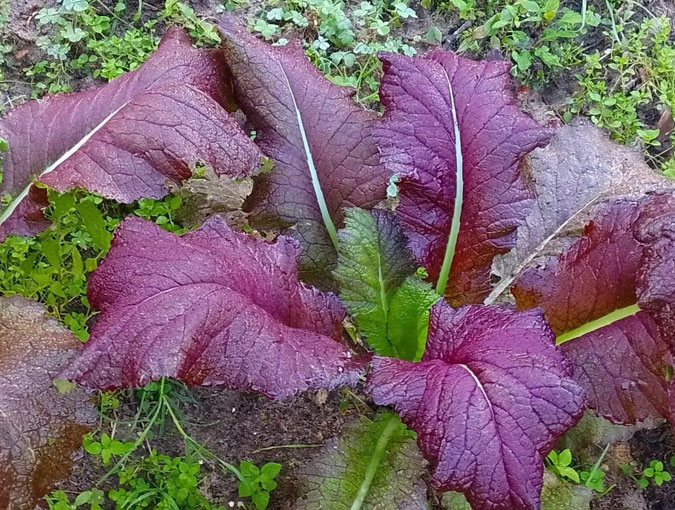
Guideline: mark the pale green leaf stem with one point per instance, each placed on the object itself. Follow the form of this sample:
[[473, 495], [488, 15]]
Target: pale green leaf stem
[[380, 450], [321, 200], [459, 197], [24, 193], [598, 323]]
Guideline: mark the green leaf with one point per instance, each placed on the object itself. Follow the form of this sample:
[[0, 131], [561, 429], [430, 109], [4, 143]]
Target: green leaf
[[75, 5], [570, 473], [261, 500], [83, 498], [373, 263], [268, 485], [434, 35], [62, 204], [51, 249], [565, 457], [270, 470], [64, 386], [248, 469], [93, 448], [530, 5], [95, 224], [409, 317], [333, 480], [119, 448], [246, 489]]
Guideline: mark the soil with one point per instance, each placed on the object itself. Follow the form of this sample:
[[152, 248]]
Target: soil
[[238, 426], [235, 425]]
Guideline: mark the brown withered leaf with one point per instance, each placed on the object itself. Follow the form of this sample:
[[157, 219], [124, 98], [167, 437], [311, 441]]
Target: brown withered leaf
[[579, 169], [40, 427]]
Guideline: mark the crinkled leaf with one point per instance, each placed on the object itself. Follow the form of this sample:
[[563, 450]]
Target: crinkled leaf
[[212, 307], [592, 430], [40, 428], [307, 125], [28, 218], [656, 276], [417, 141], [580, 168], [455, 501], [373, 264], [127, 138], [409, 317], [488, 399], [558, 494], [331, 480], [589, 293]]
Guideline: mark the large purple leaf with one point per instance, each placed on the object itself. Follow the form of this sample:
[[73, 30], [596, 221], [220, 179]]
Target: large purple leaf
[[127, 138], [417, 141], [487, 401], [656, 278], [325, 159], [212, 307], [620, 351], [40, 428]]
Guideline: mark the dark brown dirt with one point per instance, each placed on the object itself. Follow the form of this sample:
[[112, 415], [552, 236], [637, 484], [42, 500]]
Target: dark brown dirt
[[237, 426], [656, 444]]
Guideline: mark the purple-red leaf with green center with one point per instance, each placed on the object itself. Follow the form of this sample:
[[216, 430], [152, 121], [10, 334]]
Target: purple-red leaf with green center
[[417, 141], [127, 138], [488, 399], [603, 313], [213, 307], [325, 158]]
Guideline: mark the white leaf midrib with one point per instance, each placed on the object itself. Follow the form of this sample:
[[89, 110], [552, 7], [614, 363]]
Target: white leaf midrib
[[64, 157]]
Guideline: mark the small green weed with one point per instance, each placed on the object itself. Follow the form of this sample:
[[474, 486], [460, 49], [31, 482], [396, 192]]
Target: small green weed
[[203, 33], [655, 473], [343, 41], [87, 38], [52, 267], [161, 212], [618, 87], [83, 40], [160, 482], [540, 36], [560, 464], [257, 483], [92, 499], [593, 478], [106, 447], [157, 482]]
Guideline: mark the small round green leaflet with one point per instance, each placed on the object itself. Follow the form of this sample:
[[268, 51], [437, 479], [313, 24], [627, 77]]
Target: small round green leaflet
[[598, 323], [459, 197]]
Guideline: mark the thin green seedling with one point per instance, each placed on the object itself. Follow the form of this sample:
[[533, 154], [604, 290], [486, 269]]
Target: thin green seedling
[[594, 482], [286, 446]]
